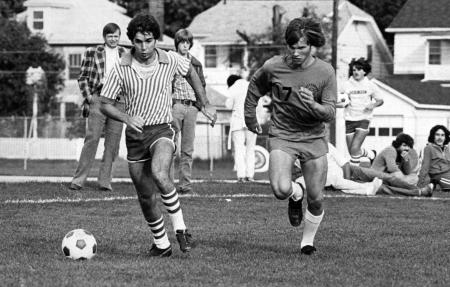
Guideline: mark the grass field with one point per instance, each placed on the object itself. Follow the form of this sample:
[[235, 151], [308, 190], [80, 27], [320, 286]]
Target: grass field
[[243, 234]]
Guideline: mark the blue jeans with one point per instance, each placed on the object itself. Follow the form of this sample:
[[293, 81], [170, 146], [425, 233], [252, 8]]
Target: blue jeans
[[97, 121], [184, 121]]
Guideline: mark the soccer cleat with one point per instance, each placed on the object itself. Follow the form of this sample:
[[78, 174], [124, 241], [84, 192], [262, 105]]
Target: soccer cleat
[[74, 186], [426, 191], [240, 180], [295, 211], [184, 191], [308, 249], [158, 252], [185, 240]]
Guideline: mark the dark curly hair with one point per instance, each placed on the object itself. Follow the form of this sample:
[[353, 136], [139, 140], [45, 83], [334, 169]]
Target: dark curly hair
[[304, 27], [403, 138], [435, 129], [360, 63], [144, 23], [231, 79]]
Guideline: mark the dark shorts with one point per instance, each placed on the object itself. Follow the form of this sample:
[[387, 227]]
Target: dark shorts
[[139, 144], [303, 150], [352, 126]]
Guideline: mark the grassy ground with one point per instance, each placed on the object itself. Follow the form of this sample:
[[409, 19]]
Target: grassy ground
[[222, 169], [243, 241]]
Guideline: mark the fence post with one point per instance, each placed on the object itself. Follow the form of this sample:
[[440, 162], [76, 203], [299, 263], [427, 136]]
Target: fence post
[[25, 136]]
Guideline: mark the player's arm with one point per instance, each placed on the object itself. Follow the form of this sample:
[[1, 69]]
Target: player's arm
[[391, 164], [326, 110], [376, 96], [259, 86], [87, 68], [200, 94]]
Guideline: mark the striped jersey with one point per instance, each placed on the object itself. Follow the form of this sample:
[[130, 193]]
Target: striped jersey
[[149, 98], [291, 118]]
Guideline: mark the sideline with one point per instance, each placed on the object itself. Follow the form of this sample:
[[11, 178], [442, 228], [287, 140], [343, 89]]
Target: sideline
[[227, 197]]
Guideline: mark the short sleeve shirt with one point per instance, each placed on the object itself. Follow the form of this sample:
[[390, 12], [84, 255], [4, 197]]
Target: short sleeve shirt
[[149, 98], [360, 94]]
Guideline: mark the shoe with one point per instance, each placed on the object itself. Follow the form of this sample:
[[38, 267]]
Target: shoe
[[426, 191], [104, 188], [249, 179], [185, 240], [376, 184], [295, 211], [184, 191], [74, 186], [308, 249], [158, 252], [240, 180]]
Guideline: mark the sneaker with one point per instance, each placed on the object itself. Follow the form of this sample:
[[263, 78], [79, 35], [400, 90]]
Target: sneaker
[[426, 191], [185, 240], [104, 188], [249, 179], [295, 211], [308, 249], [240, 180], [158, 252], [376, 184], [74, 186]]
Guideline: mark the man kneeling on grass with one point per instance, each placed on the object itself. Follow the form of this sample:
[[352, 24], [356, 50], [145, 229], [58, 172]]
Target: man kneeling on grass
[[144, 77]]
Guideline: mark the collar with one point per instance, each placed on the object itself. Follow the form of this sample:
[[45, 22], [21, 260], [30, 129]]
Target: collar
[[128, 56]]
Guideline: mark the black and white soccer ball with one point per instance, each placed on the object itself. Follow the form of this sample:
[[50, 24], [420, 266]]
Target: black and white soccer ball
[[79, 244]]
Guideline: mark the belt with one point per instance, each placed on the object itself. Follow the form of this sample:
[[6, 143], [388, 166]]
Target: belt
[[184, 102]]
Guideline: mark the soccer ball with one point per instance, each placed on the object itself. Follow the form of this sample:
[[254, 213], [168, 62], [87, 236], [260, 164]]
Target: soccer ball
[[79, 244]]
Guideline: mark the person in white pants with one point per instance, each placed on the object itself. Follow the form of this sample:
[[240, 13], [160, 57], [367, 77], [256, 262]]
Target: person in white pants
[[244, 141], [335, 176]]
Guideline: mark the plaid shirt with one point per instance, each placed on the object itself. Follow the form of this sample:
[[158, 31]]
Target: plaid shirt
[[182, 90], [93, 69]]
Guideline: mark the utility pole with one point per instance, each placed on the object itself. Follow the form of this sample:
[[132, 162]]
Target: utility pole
[[334, 46]]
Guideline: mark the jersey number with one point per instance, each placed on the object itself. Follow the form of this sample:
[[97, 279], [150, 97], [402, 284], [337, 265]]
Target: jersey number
[[280, 92]]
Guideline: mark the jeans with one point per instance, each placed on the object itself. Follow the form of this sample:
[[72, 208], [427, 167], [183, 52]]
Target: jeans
[[244, 142], [97, 121], [184, 121]]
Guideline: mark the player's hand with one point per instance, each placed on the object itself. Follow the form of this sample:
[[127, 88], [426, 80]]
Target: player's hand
[[404, 153], [306, 96], [88, 99], [255, 129], [136, 123], [210, 113]]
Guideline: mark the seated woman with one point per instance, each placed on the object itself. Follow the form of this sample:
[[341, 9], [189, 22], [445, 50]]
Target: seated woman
[[436, 159]]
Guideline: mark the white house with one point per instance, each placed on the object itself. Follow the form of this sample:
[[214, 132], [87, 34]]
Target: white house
[[417, 95]]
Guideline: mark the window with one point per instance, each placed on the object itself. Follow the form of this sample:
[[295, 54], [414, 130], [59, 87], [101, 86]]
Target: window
[[236, 53], [434, 53], [396, 131], [210, 56], [38, 20], [74, 66], [385, 131], [369, 53], [371, 131]]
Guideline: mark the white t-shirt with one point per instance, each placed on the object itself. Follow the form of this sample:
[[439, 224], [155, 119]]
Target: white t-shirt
[[112, 57], [360, 94]]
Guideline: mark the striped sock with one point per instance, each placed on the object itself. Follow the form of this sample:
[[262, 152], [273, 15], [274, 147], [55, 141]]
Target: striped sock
[[173, 207], [355, 160], [159, 233], [311, 225]]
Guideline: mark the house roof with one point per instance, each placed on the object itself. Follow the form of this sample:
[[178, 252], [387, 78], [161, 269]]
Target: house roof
[[422, 14], [255, 17], [78, 22], [427, 92]]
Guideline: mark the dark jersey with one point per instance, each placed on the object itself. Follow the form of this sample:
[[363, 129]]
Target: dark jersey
[[291, 118]]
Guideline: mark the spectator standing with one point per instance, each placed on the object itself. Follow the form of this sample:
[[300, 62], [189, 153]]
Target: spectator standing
[[243, 140], [97, 63], [184, 110]]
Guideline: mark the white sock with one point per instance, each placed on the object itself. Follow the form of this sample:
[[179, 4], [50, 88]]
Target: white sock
[[297, 191], [159, 233], [311, 225], [172, 204]]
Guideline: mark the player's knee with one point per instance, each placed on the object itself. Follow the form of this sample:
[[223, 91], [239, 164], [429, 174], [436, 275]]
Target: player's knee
[[160, 176], [281, 190], [315, 206]]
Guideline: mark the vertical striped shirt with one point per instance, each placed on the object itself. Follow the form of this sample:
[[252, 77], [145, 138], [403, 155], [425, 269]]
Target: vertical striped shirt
[[149, 98]]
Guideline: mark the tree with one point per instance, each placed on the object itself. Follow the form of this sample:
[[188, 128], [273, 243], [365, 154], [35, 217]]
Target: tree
[[177, 13], [384, 11], [9, 8], [19, 50]]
